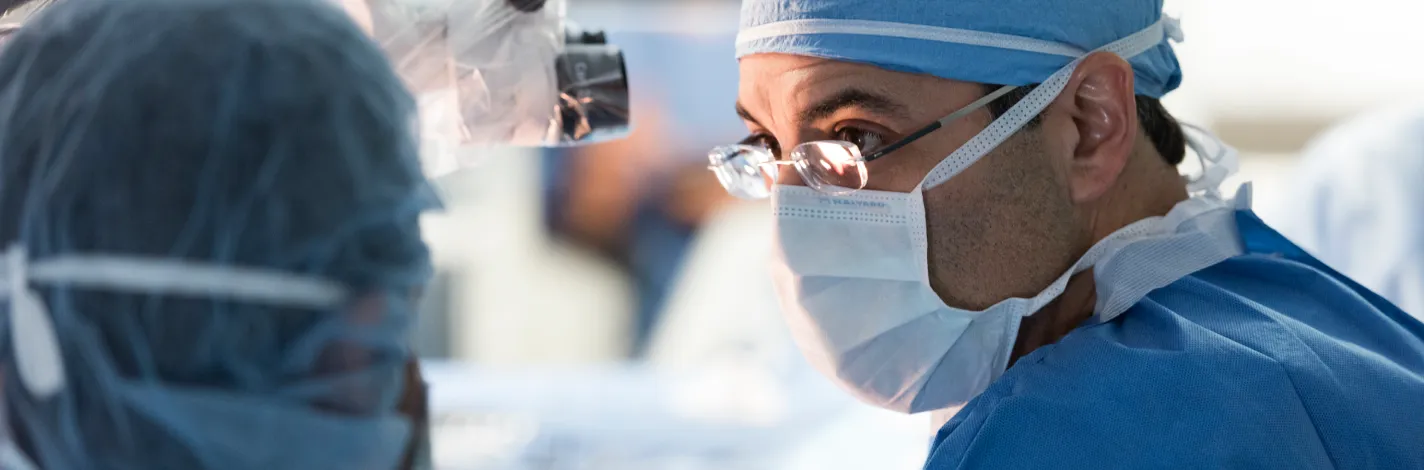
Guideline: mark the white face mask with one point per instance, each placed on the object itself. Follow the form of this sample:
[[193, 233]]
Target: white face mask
[[852, 275]]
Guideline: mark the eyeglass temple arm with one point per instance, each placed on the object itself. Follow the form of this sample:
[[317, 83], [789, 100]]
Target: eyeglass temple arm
[[944, 121]]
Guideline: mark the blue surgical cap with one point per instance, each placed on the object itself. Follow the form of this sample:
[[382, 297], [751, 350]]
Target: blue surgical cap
[[946, 38], [263, 135]]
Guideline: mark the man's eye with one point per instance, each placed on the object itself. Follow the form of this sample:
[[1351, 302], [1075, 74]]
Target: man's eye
[[867, 141], [764, 141]]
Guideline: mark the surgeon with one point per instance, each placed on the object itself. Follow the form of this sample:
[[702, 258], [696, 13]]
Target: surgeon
[[1355, 202], [210, 241], [978, 209]]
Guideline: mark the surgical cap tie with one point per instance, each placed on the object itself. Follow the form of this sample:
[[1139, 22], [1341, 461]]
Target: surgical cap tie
[[998, 42], [32, 331], [1172, 28]]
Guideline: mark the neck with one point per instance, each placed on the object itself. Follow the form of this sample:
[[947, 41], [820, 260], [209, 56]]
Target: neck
[[1146, 188]]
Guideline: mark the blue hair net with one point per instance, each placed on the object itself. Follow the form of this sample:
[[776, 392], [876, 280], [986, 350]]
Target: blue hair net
[[263, 135], [960, 39]]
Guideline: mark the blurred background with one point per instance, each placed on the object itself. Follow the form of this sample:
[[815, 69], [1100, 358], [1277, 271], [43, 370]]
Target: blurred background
[[608, 307]]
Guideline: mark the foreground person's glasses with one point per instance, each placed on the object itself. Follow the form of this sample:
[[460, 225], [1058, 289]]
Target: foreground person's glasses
[[829, 166]]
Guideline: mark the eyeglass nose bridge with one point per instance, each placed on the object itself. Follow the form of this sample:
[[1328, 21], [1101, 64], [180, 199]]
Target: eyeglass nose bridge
[[831, 167], [789, 178]]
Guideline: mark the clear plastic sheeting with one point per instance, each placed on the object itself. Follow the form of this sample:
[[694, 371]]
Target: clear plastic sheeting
[[501, 72]]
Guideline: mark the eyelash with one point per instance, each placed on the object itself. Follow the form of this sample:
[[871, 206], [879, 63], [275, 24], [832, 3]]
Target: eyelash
[[763, 140], [877, 140], [869, 140]]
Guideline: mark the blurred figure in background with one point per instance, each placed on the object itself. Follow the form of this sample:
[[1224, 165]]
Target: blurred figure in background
[[639, 201], [1358, 203], [211, 208]]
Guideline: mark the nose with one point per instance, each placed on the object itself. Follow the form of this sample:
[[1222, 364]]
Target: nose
[[790, 170], [788, 175]]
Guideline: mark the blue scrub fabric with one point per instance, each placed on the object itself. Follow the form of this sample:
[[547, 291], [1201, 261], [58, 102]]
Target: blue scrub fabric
[[1269, 360]]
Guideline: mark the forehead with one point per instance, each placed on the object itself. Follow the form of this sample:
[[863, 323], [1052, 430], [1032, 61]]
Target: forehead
[[784, 75], [782, 84]]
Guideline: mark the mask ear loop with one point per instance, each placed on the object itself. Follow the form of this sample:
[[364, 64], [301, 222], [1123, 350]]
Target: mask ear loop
[[32, 335], [1217, 166]]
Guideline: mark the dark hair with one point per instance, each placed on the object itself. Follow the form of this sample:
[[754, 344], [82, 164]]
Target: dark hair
[[1161, 128]]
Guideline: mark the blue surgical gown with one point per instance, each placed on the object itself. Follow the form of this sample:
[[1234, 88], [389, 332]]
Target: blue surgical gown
[[1269, 360]]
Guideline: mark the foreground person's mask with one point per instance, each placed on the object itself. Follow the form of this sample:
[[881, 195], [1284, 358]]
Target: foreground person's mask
[[867, 316], [502, 72]]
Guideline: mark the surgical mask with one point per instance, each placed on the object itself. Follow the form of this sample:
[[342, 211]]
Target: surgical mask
[[218, 428], [852, 274], [502, 72]]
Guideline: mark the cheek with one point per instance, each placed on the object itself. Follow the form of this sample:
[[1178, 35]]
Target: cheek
[[963, 238], [894, 175], [961, 209], [904, 169], [996, 230]]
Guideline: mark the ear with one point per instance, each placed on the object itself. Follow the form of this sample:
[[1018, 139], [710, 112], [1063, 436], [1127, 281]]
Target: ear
[[1104, 111]]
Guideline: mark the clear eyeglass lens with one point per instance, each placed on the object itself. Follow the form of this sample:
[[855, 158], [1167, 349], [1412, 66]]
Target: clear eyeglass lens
[[743, 170], [831, 167]]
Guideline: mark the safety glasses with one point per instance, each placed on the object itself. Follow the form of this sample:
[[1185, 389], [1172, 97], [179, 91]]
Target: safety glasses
[[829, 166]]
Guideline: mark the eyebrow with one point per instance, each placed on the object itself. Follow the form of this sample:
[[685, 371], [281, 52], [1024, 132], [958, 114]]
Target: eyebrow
[[746, 115], [846, 98], [854, 98]]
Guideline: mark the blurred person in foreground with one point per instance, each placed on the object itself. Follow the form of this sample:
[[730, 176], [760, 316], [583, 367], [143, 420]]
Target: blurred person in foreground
[[210, 213], [1357, 203], [978, 208]]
